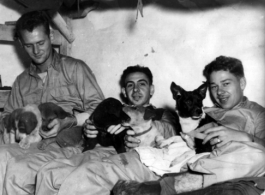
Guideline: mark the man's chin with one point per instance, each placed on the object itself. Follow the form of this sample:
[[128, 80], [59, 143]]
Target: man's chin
[[137, 102]]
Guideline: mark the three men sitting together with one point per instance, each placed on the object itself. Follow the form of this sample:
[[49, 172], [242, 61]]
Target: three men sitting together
[[70, 83]]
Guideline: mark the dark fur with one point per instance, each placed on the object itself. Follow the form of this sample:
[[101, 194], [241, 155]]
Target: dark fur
[[108, 112], [50, 111]]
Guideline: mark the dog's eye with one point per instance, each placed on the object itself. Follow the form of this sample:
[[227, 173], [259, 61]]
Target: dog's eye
[[189, 102]]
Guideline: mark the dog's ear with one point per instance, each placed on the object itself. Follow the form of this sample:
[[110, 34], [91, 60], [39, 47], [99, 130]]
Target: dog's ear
[[202, 90], [61, 113], [6, 122], [176, 90], [149, 114]]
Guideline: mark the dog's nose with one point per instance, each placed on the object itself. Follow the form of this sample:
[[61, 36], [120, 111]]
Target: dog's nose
[[198, 111]]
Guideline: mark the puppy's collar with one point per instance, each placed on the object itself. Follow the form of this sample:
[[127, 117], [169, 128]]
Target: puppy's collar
[[144, 132]]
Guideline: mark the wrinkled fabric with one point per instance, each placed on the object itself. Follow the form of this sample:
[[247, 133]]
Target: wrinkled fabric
[[69, 83], [168, 159], [18, 167], [242, 186], [235, 159], [63, 173], [99, 177], [248, 117]]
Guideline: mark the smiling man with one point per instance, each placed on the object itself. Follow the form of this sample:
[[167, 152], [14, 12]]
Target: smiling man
[[51, 77], [239, 151], [137, 88]]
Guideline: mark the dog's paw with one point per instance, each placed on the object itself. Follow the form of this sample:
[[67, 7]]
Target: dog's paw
[[134, 188], [42, 145], [24, 143]]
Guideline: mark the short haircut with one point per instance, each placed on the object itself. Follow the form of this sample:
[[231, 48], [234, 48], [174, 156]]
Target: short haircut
[[134, 69], [29, 21], [233, 65]]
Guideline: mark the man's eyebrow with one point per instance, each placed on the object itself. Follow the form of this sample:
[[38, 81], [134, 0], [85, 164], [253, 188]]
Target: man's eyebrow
[[226, 80], [212, 83], [143, 81], [128, 82]]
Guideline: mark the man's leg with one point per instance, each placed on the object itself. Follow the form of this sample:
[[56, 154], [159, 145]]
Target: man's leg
[[8, 152], [52, 175], [22, 169], [233, 160], [99, 177]]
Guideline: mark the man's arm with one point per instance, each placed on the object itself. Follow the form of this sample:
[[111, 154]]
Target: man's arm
[[88, 89]]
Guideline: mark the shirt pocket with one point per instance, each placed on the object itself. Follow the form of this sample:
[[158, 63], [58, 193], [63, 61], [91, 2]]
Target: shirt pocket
[[32, 98], [65, 93]]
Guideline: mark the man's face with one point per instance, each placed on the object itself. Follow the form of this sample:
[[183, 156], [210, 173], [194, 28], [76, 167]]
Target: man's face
[[38, 45], [226, 88], [138, 89]]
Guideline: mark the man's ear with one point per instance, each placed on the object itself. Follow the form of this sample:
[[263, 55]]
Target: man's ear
[[123, 92], [152, 90], [243, 83]]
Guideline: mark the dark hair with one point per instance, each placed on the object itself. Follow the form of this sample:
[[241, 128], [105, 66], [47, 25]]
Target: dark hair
[[136, 68], [233, 65], [29, 21]]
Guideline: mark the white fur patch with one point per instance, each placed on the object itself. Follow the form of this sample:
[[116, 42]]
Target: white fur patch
[[189, 124]]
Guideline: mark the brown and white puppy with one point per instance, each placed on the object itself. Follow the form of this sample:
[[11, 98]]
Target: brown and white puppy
[[23, 126], [50, 111], [141, 122]]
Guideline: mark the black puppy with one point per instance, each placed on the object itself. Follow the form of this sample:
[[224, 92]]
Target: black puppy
[[108, 112]]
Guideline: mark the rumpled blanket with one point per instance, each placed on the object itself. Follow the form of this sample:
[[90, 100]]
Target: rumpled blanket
[[170, 158]]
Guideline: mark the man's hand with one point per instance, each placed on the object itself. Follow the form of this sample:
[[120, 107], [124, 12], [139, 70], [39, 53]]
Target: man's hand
[[116, 129], [130, 141], [221, 135], [57, 125], [90, 130]]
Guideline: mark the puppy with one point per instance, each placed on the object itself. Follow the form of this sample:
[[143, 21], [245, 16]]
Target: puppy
[[108, 112], [23, 126], [112, 112], [68, 137]]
